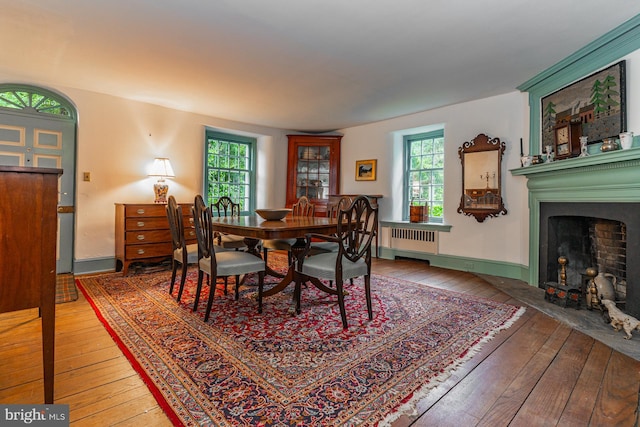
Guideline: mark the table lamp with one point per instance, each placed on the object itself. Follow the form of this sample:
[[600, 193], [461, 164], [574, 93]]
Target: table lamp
[[162, 169]]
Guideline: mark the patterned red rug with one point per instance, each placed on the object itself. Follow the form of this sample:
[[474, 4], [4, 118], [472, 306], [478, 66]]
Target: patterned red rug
[[242, 368]]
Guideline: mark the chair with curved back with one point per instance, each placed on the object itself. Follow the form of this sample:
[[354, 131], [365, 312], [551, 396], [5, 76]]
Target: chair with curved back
[[304, 208], [182, 253], [332, 212], [225, 207], [222, 263], [357, 227]]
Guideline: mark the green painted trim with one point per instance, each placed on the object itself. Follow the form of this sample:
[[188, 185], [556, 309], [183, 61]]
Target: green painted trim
[[473, 265], [94, 265], [252, 142], [600, 53], [416, 225]]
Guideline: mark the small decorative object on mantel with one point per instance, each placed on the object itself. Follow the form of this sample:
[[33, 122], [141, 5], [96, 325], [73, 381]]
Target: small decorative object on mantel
[[626, 140], [608, 144], [583, 146], [536, 159]]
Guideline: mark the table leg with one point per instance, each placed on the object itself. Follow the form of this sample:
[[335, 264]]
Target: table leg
[[252, 248], [297, 250]]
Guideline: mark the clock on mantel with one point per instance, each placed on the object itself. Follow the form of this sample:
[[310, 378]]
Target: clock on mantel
[[567, 139]]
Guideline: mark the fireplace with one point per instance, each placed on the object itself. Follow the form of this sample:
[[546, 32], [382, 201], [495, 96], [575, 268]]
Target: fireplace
[[600, 235], [567, 198]]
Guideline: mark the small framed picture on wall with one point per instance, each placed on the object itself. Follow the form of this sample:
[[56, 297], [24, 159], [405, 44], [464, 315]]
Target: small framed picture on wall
[[366, 170]]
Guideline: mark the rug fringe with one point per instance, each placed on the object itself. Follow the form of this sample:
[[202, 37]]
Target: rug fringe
[[409, 408]]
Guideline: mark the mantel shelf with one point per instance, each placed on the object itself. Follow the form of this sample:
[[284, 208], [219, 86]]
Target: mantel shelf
[[608, 159]]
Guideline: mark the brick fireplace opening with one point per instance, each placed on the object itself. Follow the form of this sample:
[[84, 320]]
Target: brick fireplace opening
[[601, 235]]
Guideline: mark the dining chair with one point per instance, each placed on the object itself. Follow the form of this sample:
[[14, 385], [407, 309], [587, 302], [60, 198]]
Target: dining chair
[[332, 212], [224, 263], [357, 227], [182, 254], [302, 208], [225, 207]]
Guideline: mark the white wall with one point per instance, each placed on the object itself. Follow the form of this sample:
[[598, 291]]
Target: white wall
[[118, 139], [117, 142], [504, 238]]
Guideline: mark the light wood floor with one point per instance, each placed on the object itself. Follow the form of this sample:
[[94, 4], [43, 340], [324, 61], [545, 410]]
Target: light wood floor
[[539, 372]]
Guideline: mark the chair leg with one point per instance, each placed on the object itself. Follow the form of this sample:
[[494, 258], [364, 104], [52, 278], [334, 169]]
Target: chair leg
[[198, 289], [367, 291], [174, 269], [264, 254], [343, 312], [225, 278], [260, 289], [183, 278], [237, 287], [212, 293]]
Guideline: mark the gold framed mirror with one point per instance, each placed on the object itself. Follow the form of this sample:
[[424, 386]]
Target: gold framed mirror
[[482, 177]]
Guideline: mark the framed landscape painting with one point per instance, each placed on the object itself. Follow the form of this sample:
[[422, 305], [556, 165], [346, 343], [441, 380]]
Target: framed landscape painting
[[366, 170], [596, 101]]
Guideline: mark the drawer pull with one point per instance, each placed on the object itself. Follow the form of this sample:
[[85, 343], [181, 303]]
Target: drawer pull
[[140, 251], [191, 234], [140, 211], [140, 223], [140, 237]]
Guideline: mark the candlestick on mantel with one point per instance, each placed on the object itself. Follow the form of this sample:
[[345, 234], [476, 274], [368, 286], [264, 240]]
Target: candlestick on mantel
[[521, 153]]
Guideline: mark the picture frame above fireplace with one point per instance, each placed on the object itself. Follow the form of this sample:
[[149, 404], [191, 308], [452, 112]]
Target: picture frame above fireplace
[[597, 102]]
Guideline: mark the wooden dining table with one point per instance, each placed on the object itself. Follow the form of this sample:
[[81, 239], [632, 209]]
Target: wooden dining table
[[253, 228]]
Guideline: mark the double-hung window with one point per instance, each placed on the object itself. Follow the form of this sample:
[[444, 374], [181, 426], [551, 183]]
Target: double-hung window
[[424, 172], [229, 169]]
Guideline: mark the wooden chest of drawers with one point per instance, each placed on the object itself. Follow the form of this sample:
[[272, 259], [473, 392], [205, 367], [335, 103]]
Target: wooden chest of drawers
[[142, 233]]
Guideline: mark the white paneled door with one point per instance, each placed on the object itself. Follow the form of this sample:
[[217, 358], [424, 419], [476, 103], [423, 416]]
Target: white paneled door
[[39, 141]]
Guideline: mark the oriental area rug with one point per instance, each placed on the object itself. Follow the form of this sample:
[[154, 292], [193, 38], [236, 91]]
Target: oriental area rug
[[242, 368]]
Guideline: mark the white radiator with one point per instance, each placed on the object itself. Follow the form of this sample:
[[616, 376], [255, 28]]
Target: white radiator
[[425, 241]]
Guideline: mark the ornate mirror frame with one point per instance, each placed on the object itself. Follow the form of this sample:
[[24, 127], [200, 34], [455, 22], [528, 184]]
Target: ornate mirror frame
[[482, 177]]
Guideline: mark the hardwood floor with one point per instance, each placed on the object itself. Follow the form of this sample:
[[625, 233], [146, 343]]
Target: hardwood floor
[[539, 372]]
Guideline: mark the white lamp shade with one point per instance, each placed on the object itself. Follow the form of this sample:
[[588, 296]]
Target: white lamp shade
[[162, 168]]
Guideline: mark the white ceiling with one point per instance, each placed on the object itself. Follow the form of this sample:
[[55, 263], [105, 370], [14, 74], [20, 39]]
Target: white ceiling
[[307, 65]]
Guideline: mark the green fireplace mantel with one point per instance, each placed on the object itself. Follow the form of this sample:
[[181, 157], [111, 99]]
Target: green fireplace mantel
[[600, 178]]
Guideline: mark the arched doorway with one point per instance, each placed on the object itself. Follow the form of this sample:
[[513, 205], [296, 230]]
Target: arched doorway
[[38, 129]]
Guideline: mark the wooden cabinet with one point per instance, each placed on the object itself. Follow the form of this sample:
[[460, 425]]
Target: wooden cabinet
[[28, 226], [142, 233], [313, 169]]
